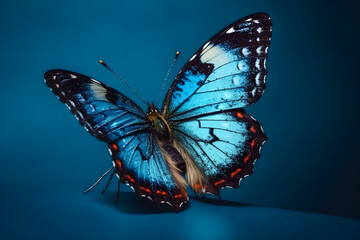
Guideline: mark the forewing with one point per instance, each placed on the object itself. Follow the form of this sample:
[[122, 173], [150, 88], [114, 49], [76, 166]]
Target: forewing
[[140, 164], [103, 111], [227, 72], [224, 146]]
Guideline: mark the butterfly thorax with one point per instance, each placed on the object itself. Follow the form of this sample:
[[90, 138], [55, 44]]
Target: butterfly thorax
[[159, 124]]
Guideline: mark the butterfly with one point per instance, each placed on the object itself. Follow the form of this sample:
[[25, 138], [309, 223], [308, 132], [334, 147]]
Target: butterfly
[[201, 138]]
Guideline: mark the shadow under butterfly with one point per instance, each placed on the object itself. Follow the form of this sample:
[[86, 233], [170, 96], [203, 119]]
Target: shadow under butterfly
[[201, 137]]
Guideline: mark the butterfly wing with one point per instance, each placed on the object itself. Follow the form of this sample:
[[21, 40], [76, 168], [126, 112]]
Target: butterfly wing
[[103, 111], [203, 103], [227, 72], [140, 164], [115, 119], [223, 145]]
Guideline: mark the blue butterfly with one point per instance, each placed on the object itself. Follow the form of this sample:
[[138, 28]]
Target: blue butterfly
[[201, 137]]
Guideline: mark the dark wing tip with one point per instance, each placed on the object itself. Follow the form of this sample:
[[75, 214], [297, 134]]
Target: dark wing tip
[[49, 75], [259, 15]]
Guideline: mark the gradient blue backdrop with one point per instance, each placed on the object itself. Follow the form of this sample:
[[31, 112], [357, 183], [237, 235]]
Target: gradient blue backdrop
[[309, 111]]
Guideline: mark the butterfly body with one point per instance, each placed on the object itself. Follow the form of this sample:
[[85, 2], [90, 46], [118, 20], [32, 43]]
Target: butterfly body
[[201, 138], [159, 124]]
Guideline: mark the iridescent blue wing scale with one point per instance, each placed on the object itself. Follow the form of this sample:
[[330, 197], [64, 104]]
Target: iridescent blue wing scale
[[140, 164], [103, 111], [115, 119], [227, 72], [223, 145], [203, 103]]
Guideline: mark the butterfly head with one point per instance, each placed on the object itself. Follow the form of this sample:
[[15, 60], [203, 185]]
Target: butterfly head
[[159, 124], [152, 110]]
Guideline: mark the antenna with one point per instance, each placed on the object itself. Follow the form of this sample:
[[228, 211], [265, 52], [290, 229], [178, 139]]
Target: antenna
[[167, 75], [105, 65]]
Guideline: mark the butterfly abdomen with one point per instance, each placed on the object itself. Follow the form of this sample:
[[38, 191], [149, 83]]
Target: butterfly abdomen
[[175, 156]]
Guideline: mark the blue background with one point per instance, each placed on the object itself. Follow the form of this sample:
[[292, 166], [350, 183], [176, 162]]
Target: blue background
[[309, 112]]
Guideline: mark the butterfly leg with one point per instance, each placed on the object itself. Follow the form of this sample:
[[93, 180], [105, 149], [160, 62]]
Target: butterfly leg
[[220, 198], [108, 182], [106, 173], [118, 191], [195, 194]]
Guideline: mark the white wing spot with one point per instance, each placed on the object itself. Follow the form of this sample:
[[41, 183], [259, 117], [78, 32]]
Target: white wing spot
[[192, 57], [72, 103], [205, 45], [248, 20], [253, 91], [95, 81], [258, 50], [256, 21], [80, 114], [259, 30], [242, 66], [72, 76], [257, 63], [169, 203], [245, 52], [231, 30], [236, 80], [257, 78]]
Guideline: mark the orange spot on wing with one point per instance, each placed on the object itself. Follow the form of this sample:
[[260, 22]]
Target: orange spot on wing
[[145, 189], [219, 182], [130, 178], [118, 163], [162, 193], [115, 147], [178, 195], [253, 129], [247, 158], [235, 172], [197, 187], [239, 115], [252, 144]]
